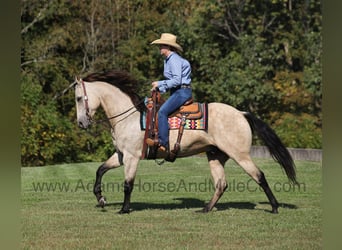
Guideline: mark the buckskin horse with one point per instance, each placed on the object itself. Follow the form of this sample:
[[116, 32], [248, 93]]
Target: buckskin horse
[[229, 135]]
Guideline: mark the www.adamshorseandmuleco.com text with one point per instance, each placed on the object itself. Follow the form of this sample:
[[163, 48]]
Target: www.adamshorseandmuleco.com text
[[181, 185]]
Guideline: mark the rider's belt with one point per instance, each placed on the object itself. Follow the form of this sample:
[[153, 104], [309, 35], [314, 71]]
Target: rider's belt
[[185, 86]]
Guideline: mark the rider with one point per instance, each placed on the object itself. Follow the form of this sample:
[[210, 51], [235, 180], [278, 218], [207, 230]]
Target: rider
[[177, 72]]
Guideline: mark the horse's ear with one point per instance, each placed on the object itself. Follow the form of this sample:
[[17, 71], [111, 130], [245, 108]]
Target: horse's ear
[[78, 79]]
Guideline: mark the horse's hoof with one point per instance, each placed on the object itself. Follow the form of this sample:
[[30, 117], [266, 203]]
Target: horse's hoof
[[102, 201], [274, 211], [124, 211], [203, 210]]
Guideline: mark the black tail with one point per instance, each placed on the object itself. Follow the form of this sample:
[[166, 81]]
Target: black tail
[[277, 149]]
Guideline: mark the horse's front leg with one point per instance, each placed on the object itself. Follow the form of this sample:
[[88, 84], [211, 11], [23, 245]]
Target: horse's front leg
[[113, 162], [131, 164]]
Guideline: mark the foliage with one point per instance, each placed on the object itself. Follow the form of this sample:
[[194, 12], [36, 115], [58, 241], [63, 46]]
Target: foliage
[[49, 137], [43, 128], [299, 131], [259, 56]]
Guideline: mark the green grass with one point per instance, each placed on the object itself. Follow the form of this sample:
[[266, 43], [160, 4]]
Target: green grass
[[164, 204]]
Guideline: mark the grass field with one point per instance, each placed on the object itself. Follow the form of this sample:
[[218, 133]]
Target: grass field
[[59, 210]]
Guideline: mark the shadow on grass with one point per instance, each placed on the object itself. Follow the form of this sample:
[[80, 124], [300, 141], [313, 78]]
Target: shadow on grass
[[283, 205], [190, 203]]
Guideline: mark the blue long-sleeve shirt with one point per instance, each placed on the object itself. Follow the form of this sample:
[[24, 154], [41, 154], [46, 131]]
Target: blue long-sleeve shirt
[[177, 71]]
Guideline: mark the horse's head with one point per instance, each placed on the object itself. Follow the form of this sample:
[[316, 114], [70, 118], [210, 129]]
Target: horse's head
[[86, 103]]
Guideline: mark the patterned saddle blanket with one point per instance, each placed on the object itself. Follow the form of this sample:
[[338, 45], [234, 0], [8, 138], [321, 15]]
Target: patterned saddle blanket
[[196, 117]]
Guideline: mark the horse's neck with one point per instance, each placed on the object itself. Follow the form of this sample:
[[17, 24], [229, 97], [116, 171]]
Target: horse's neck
[[112, 100], [116, 104]]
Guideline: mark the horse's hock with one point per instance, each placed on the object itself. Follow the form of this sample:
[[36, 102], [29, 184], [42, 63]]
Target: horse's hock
[[296, 153]]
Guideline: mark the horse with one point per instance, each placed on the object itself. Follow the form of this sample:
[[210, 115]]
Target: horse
[[229, 136]]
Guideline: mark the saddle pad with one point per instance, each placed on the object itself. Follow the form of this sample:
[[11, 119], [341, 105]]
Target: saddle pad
[[196, 124], [174, 122]]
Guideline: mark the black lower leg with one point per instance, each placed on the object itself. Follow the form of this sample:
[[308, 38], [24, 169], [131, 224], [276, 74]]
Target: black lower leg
[[128, 188], [274, 203], [97, 186]]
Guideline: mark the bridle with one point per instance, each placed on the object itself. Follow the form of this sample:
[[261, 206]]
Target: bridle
[[85, 97]]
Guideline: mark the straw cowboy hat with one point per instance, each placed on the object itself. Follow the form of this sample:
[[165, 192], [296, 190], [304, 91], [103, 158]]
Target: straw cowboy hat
[[168, 39]]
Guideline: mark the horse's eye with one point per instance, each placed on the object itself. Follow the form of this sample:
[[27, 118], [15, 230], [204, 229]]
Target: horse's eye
[[79, 98]]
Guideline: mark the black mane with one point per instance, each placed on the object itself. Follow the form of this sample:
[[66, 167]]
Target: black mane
[[122, 80]]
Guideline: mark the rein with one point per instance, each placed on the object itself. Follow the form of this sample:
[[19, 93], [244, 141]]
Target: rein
[[118, 115]]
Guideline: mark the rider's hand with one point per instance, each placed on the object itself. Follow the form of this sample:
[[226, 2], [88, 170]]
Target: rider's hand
[[154, 86]]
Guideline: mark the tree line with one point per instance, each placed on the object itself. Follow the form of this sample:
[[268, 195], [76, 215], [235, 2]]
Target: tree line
[[258, 56]]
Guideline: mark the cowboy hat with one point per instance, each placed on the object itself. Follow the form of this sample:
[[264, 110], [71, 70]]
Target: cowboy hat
[[168, 39]]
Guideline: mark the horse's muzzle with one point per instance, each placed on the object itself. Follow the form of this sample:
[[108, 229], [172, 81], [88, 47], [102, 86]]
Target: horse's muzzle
[[84, 123]]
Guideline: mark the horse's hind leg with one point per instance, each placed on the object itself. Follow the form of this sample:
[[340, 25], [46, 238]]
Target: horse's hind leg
[[217, 159], [114, 161], [252, 170]]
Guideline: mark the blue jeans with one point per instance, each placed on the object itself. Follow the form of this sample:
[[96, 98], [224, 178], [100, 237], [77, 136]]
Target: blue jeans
[[177, 99]]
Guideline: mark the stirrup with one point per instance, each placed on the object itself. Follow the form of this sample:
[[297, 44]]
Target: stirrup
[[152, 143]]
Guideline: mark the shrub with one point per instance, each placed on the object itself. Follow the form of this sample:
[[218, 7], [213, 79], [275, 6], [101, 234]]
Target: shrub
[[299, 131]]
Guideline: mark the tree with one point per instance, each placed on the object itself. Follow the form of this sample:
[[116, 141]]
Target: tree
[[261, 56]]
